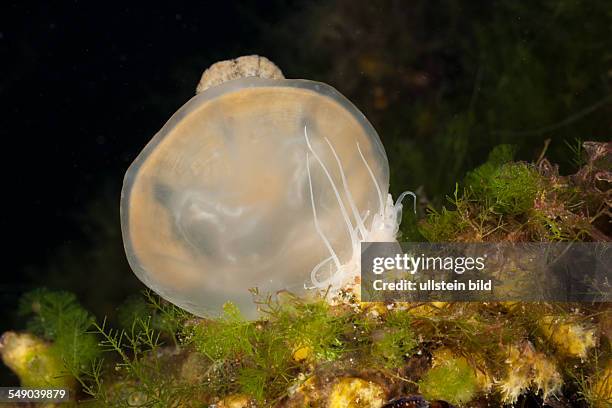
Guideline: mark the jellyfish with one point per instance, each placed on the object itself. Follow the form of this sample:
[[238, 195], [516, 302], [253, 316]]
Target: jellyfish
[[256, 182]]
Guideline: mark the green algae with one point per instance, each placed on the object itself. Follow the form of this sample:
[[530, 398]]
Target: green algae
[[502, 200], [453, 381], [58, 317], [213, 358], [397, 341]]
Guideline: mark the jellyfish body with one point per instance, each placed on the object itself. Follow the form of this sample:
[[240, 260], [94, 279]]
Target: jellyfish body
[[255, 183]]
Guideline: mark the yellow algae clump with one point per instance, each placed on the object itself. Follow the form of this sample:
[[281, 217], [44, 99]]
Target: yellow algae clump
[[30, 358], [302, 353], [570, 338], [235, 401], [356, 393], [528, 369]]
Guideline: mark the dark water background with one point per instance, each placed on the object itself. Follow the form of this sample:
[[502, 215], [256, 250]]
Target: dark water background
[[84, 86]]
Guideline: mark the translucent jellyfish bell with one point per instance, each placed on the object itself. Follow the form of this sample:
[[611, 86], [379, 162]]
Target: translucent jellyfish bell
[[225, 197]]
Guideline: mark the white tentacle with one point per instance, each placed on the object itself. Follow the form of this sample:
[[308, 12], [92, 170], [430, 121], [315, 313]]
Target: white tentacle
[[345, 216], [348, 194], [381, 206], [316, 219]]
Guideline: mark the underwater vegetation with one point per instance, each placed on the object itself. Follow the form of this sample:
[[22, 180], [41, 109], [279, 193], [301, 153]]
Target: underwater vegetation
[[305, 352], [504, 200]]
